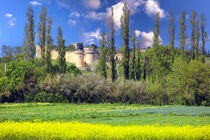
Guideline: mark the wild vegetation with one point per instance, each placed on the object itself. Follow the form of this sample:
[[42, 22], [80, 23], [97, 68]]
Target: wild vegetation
[[163, 75]]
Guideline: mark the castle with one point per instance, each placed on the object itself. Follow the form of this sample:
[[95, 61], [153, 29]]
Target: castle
[[79, 55]]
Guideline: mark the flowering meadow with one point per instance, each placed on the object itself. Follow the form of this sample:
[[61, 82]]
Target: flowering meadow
[[77, 130]]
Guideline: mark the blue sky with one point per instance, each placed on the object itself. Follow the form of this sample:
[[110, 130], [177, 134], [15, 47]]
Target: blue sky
[[84, 20]]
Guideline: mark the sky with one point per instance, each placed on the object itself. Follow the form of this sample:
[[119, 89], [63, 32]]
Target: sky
[[85, 20]]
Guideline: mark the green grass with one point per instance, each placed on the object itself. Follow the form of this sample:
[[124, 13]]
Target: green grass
[[114, 114]]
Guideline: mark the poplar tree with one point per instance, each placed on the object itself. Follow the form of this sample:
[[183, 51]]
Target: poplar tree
[[138, 63], [49, 45], [133, 62], [193, 34], [125, 35], [112, 46], [61, 51], [197, 36], [102, 67], [204, 37], [42, 31], [156, 59], [172, 32], [182, 33], [29, 35], [144, 68]]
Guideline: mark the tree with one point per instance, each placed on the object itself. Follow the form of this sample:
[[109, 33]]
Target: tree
[[102, 67], [30, 34], [125, 35], [204, 36], [61, 51], [112, 46], [42, 31], [144, 69], [138, 63], [7, 54], [133, 63], [172, 32], [197, 35], [193, 34], [156, 57], [182, 33], [49, 45]]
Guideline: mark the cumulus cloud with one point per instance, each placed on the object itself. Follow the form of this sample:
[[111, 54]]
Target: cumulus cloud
[[152, 7], [117, 13], [35, 3], [8, 15], [11, 19], [134, 5], [146, 39], [73, 17], [92, 37], [96, 16], [95, 4]]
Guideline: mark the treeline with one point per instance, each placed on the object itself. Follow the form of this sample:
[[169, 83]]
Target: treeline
[[161, 75]]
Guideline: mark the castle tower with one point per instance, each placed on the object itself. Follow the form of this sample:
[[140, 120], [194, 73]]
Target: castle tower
[[91, 55], [79, 58], [38, 51]]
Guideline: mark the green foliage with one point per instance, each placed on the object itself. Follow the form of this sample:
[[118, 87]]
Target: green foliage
[[101, 66], [112, 49], [61, 51], [125, 21], [49, 46], [189, 83], [48, 97], [182, 33], [29, 35], [72, 69], [42, 30], [133, 60]]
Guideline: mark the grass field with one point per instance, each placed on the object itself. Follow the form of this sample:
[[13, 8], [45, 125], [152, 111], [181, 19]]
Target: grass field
[[183, 122]]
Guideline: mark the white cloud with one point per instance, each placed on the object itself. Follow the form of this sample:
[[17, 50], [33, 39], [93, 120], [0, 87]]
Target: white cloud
[[118, 12], [35, 3], [11, 18], [96, 16], [146, 39], [11, 22], [92, 37], [152, 7], [75, 14], [95, 4], [134, 5], [8, 15], [73, 17]]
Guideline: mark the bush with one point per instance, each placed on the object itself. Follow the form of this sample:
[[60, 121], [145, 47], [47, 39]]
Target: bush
[[48, 97]]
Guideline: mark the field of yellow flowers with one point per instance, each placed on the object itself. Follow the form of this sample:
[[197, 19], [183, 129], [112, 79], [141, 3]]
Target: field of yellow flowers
[[78, 130]]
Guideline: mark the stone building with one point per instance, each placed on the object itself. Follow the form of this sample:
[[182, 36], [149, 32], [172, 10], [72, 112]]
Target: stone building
[[80, 56]]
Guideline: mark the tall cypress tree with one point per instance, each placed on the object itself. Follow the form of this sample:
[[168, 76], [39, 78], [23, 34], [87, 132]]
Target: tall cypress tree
[[193, 34], [125, 35], [144, 68], [133, 63], [197, 44], [156, 59], [29, 35], [138, 63], [182, 33], [42, 31], [204, 37], [112, 51], [102, 67], [172, 32], [61, 51], [49, 45]]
